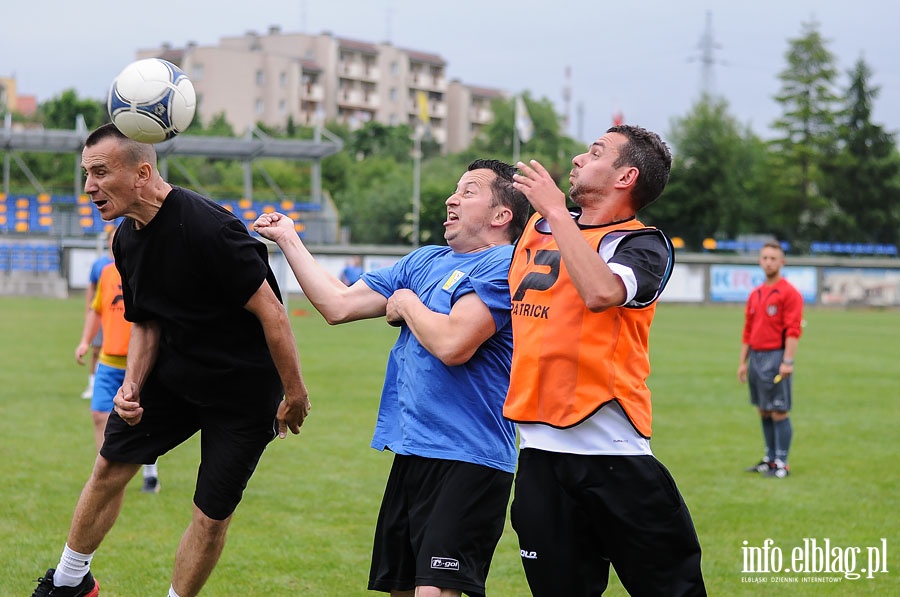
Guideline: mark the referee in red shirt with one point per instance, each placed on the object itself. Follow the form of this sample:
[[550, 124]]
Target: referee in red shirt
[[769, 344]]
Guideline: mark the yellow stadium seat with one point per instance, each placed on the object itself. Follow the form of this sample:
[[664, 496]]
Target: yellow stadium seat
[[86, 222], [85, 210], [45, 221], [250, 215], [43, 198], [245, 204], [83, 199], [45, 209], [287, 205], [269, 209], [21, 226], [22, 203]]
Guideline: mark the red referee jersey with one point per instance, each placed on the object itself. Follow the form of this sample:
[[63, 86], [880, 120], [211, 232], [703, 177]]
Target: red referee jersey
[[773, 313]]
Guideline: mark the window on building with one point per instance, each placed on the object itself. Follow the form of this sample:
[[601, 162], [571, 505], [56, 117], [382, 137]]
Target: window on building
[[260, 78], [197, 72], [282, 79], [260, 107]]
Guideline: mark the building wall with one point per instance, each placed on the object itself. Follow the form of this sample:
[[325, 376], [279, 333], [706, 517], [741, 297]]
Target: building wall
[[272, 76]]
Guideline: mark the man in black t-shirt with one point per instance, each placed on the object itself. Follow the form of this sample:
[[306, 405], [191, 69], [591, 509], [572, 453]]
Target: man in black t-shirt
[[211, 350]]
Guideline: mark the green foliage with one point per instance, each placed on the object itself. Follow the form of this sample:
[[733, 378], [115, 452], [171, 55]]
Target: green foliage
[[548, 145], [717, 187], [376, 200], [61, 112], [807, 125], [862, 171], [306, 521]]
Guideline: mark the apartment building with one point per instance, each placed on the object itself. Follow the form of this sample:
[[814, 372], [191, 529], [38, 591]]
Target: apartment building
[[277, 76]]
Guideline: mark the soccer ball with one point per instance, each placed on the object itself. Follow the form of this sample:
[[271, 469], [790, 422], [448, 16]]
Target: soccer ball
[[151, 100]]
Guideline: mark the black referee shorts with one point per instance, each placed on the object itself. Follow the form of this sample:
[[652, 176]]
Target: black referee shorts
[[574, 514], [439, 525], [235, 429]]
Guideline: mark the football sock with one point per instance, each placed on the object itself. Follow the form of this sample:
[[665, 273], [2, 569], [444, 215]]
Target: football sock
[[150, 470], [768, 427], [172, 592], [72, 567], [784, 431]]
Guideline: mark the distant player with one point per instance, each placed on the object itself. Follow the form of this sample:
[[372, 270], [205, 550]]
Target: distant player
[[771, 334]]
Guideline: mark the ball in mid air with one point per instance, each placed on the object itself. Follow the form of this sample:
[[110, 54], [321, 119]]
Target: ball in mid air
[[151, 100]]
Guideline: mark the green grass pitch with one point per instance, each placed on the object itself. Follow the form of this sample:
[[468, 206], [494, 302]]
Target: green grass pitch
[[305, 525]]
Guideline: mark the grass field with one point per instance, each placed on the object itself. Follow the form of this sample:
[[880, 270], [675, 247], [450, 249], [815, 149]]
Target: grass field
[[305, 525]]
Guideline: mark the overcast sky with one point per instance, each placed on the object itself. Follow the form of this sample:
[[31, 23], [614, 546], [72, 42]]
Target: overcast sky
[[639, 57]]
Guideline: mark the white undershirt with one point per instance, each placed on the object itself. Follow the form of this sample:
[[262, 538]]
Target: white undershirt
[[608, 431]]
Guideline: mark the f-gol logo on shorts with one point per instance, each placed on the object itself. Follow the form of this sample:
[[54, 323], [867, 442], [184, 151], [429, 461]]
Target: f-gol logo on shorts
[[444, 563]]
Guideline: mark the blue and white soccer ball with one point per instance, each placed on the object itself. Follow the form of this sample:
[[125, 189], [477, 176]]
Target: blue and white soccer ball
[[151, 100]]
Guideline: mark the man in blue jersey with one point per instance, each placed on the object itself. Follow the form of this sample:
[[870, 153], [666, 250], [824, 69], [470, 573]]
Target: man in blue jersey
[[444, 506]]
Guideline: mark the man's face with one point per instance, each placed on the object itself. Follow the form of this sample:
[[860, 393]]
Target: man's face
[[771, 260], [469, 212], [593, 174], [110, 182]]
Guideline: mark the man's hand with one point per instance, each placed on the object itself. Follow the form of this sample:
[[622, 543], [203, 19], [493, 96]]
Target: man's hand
[[292, 413], [273, 226], [80, 351], [395, 304], [539, 188], [128, 403]]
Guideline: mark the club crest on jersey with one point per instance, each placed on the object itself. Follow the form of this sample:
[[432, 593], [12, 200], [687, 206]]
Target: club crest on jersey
[[771, 310], [453, 280]]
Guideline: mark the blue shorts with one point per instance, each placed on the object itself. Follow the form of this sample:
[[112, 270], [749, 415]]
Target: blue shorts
[[107, 381]]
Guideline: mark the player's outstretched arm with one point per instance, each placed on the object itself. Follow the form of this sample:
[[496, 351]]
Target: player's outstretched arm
[[336, 301]]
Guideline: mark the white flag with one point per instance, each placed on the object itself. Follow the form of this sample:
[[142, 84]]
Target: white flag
[[524, 126]]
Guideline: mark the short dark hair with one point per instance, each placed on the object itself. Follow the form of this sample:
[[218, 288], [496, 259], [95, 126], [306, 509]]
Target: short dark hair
[[134, 151], [504, 194], [647, 152]]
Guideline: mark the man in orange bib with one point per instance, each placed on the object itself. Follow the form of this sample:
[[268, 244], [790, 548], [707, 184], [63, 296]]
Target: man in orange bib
[[588, 491]]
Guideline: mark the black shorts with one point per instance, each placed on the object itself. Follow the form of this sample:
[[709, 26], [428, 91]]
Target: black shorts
[[574, 514], [439, 525], [233, 435]]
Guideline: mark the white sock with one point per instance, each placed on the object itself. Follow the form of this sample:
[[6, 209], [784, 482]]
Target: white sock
[[172, 592], [72, 567], [150, 470], [91, 380]]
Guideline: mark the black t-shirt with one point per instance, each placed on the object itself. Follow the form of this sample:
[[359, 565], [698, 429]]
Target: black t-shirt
[[192, 268]]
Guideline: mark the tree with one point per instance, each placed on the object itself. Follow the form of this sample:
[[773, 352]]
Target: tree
[[717, 186], [863, 174], [375, 138], [548, 145], [807, 126], [61, 112]]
